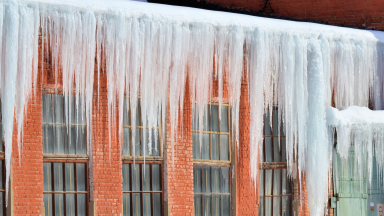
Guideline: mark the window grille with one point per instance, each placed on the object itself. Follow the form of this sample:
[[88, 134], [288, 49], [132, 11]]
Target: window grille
[[65, 167], [274, 186], [212, 161]]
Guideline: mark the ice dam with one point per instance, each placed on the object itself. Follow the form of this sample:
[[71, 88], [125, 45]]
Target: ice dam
[[150, 50]]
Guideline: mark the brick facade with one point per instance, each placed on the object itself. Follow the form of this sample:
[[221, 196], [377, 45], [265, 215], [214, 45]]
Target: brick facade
[[357, 14]]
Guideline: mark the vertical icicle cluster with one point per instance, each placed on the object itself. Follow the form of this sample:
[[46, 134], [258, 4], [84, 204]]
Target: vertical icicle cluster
[[149, 58]]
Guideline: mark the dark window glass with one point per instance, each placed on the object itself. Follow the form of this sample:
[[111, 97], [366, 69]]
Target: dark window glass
[[142, 189], [212, 192], [274, 186]]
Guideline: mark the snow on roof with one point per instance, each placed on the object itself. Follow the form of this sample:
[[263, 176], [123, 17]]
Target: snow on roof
[[354, 115], [187, 14]]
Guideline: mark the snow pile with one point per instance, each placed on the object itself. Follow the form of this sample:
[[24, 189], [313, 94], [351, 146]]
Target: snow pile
[[363, 128], [149, 51]]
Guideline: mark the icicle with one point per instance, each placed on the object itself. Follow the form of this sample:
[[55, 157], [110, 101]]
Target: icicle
[[318, 161], [8, 81]]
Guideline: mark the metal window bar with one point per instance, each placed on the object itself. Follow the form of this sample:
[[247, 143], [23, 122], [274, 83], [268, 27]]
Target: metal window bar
[[53, 192], [274, 166], [141, 192], [214, 163]]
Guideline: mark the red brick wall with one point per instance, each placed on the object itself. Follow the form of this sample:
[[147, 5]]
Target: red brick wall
[[247, 194], [180, 173], [27, 175], [107, 171], [359, 14]]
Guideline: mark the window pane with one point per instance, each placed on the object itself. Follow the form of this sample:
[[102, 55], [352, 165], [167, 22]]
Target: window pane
[[59, 205], [276, 149], [81, 204], [261, 192], [225, 179], [126, 142], [70, 140], [58, 169], [48, 204], [268, 149], [277, 182], [205, 146], [155, 142], [268, 207], [275, 122], [286, 206], [48, 139], [267, 125], [283, 149], [137, 143], [1, 202], [215, 179], [268, 182], [206, 180], [216, 205], [146, 204], [214, 118], [197, 179], [156, 204], [70, 204], [81, 172], [58, 134], [197, 205], [286, 184], [78, 114], [224, 119], [215, 146], [1, 135], [81, 140], [146, 177], [126, 116], [1, 173], [126, 178], [224, 146], [136, 206], [207, 205], [156, 177], [57, 108], [276, 206], [70, 177], [47, 177], [47, 109], [135, 177], [126, 204], [225, 205], [196, 146]]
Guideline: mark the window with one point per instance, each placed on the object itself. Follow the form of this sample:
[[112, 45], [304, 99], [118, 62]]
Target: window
[[211, 163], [65, 167], [142, 183], [274, 186]]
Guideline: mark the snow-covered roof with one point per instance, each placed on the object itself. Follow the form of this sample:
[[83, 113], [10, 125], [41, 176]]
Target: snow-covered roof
[[354, 115], [219, 18]]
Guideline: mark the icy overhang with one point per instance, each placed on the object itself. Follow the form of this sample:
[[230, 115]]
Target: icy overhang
[[358, 126], [216, 18], [354, 115]]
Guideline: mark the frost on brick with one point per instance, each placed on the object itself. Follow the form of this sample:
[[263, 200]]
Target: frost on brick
[[150, 51]]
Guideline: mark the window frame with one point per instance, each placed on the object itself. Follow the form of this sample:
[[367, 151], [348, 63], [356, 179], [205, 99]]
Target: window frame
[[141, 192], [66, 158], [139, 159], [64, 192], [217, 163], [263, 166]]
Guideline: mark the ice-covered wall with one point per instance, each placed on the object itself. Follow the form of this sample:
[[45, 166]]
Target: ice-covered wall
[[364, 129], [151, 49]]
